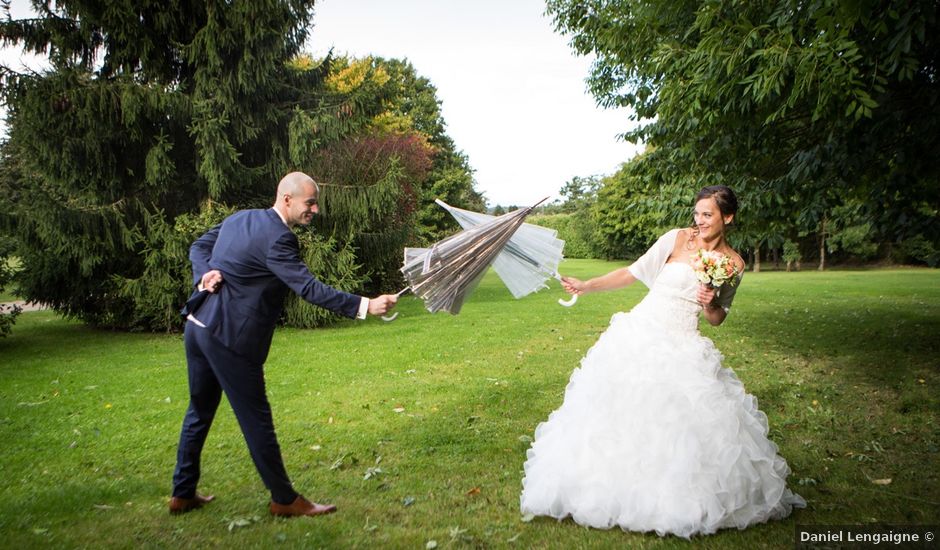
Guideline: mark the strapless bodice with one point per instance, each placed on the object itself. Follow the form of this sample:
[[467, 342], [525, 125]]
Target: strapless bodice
[[671, 302]]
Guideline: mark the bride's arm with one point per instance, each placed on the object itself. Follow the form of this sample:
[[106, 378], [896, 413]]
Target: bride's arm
[[644, 269], [711, 310], [617, 278]]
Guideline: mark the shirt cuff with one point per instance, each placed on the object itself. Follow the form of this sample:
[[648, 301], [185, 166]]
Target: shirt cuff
[[196, 321], [363, 308]]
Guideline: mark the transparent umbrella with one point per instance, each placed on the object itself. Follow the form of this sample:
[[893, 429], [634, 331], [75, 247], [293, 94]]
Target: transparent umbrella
[[445, 274], [530, 258]]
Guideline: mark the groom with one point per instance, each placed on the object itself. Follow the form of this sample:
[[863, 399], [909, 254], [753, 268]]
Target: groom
[[243, 269]]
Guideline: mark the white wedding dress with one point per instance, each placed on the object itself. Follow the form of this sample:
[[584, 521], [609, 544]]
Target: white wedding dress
[[654, 434]]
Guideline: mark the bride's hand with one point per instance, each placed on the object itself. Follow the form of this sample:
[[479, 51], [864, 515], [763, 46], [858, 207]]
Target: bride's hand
[[572, 285], [706, 294]]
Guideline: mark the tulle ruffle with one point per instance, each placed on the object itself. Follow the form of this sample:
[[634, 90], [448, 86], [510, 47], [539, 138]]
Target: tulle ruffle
[[655, 435]]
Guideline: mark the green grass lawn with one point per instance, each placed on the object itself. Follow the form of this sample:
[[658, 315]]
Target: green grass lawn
[[418, 429]]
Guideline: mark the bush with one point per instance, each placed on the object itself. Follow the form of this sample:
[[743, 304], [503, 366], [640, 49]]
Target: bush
[[159, 293], [7, 313], [336, 268], [575, 229], [854, 240], [791, 253], [918, 249]]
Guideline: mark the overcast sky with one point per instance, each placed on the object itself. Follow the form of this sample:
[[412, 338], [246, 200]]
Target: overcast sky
[[512, 92]]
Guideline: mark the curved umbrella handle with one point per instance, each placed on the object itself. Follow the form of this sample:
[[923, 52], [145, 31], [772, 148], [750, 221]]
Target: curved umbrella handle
[[390, 318], [570, 301]]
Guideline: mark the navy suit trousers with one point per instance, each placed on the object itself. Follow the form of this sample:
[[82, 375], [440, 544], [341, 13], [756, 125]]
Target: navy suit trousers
[[214, 369]]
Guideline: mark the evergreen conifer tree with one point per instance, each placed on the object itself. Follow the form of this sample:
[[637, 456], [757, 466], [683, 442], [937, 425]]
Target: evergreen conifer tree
[[154, 120]]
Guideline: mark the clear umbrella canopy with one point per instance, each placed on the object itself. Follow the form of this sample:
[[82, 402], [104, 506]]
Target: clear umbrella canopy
[[529, 258], [445, 274]]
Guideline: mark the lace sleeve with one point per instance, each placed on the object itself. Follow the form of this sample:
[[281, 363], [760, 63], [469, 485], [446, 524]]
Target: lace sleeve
[[726, 293], [647, 267]]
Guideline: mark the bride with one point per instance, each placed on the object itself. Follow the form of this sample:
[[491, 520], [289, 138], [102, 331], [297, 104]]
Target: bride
[[654, 434]]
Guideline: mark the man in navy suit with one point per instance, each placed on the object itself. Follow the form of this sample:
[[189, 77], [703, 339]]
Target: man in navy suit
[[243, 269]]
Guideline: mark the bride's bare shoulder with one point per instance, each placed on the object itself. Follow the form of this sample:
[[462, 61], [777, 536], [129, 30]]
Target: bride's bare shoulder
[[737, 259], [683, 236]]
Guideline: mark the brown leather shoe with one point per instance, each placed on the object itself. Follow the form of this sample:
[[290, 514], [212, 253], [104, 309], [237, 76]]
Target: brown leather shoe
[[301, 507], [179, 505]]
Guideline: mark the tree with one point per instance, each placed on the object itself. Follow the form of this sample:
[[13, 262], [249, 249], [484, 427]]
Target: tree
[[148, 111], [414, 101], [634, 207], [785, 101], [572, 218], [399, 151], [579, 192]]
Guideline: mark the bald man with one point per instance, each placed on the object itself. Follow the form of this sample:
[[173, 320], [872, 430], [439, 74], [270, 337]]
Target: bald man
[[242, 271]]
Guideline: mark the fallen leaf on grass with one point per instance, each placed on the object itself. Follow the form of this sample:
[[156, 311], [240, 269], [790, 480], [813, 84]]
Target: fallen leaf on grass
[[242, 522], [341, 461], [474, 491]]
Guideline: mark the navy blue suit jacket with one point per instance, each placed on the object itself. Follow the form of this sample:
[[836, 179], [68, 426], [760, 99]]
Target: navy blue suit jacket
[[259, 258]]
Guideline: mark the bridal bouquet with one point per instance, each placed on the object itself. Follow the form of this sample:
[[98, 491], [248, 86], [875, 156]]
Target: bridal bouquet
[[713, 268]]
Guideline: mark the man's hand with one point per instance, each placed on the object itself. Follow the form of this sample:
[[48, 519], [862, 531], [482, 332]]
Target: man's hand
[[211, 281], [380, 305]]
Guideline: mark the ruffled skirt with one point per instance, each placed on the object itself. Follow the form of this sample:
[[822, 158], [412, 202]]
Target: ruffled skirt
[[655, 435]]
